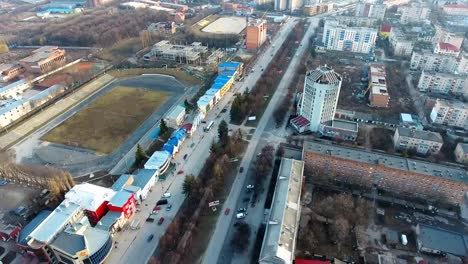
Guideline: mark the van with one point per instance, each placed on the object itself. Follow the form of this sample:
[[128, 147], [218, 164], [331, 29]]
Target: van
[[240, 215], [162, 202]]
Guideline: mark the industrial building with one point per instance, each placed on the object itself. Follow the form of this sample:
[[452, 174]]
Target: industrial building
[[256, 33], [461, 153], [180, 53], [374, 10], [423, 142], [10, 71], [378, 93], [450, 113], [443, 83], [279, 242], [44, 59], [343, 38], [319, 99], [394, 174], [414, 13]]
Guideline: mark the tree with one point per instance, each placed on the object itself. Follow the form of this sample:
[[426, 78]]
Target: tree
[[339, 230], [241, 238], [140, 156], [163, 127], [223, 133], [280, 151], [190, 183], [313, 53], [188, 106]]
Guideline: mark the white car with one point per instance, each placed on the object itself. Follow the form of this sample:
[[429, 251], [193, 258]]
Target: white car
[[250, 186], [240, 215], [166, 195]]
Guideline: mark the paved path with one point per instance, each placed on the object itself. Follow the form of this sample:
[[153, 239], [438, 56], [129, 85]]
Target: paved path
[[39, 119]]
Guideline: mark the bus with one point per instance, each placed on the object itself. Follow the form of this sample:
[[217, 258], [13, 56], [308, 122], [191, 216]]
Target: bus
[[209, 126]]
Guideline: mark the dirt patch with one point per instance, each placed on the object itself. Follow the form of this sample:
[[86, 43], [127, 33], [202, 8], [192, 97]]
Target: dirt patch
[[107, 122]]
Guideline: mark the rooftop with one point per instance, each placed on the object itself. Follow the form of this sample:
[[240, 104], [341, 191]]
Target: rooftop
[[143, 177], [12, 85], [175, 112], [407, 118], [89, 196], [444, 240], [156, 160], [31, 226], [324, 75], [396, 162], [418, 134], [230, 64], [120, 198], [280, 233], [345, 125], [70, 243], [464, 147], [42, 54], [452, 103], [122, 181]]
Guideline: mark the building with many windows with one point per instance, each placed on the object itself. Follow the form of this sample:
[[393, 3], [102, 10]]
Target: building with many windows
[[44, 59], [401, 43], [180, 53], [426, 60], [461, 153], [355, 39], [10, 71], [450, 113], [378, 93], [443, 83], [423, 142], [320, 97], [256, 33], [375, 10], [414, 13], [394, 174]]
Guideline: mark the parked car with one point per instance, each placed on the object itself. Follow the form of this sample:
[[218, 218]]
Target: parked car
[[227, 211], [150, 237], [156, 209], [241, 210], [169, 206], [3, 182], [161, 220], [185, 156], [162, 202], [250, 186], [241, 169], [150, 219], [166, 195], [180, 172], [241, 215]]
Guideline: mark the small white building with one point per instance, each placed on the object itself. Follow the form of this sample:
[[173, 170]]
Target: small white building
[[461, 153], [423, 142], [159, 161], [175, 117]]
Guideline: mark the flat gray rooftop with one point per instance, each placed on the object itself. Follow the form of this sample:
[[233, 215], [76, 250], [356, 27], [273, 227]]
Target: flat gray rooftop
[[391, 161], [443, 240], [346, 125], [280, 234]]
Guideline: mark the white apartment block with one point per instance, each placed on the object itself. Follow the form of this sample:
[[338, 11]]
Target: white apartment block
[[353, 39], [370, 10], [321, 90], [423, 142], [426, 60], [444, 83], [401, 44], [414, 13], [352, 21], [461, 153], [450, 113], [462, 67], [280, 5]]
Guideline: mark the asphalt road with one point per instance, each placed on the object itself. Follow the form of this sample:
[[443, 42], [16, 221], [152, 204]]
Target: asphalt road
[[156, 82]]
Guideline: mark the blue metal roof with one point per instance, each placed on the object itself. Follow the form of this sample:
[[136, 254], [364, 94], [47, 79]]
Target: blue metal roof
[[179, 134], [120, 198], [173, 141], [31, 226], [120, 182], [230, 64], [143, 177], [229, 73], [217, 86], [169, 148], [12, 85]]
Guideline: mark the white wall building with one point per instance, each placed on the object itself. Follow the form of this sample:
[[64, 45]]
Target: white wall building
[[343, 38], [321, 90], [444, 83], [414, 13], [461, 153], [450, 113], [175, 117], [423, 142], [425, 60], [402, 45], [370, 10]]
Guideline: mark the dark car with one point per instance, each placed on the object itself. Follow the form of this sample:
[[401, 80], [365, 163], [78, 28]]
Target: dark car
[[161, 220], [150, 237], [162, 202], [241, 169], [185, 156]]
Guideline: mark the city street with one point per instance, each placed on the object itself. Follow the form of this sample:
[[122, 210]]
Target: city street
[[132, 246], [221, 237]]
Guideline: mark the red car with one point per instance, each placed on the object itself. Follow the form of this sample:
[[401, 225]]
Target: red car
[[180, 172], [161, 220], [227, 211]]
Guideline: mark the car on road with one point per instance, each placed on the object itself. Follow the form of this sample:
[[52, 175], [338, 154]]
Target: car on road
[[226, 212], [224, 110], [169, 206], [150, 219], [250, 186], [203, 122], [185, 156], [241, 215], [156, 209], [3, 182], [162, 202], [241, 169], [180, 172], [161, 220], [166, 195], [252, 70], [150, 237], [242, 210]]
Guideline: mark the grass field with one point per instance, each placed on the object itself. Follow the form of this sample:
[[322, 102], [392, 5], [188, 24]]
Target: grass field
[[183, 77], [107, 122]]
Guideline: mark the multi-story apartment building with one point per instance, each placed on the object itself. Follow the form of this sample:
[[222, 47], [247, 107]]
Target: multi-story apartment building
[[455, 9], [444, 83], [370, 10], [450, 113], [423, 142], [414, 13], [256, 33], [402, 44], [320, 97], [291, 5], [281, 5], [313, 8], [425, 60], [343, 38], [461, 153], [447, 42], [378, 93], [394, 174], [44, 59], [462, 64], [352, 21], [9, 71]]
